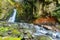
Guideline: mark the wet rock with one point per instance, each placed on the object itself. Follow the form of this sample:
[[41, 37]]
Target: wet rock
[[57, 35], [48, 23], [18, 29], [42, 37], [45, 20]]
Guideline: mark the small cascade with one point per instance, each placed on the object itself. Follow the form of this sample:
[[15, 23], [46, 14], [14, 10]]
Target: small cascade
[[39, 30], [12, 18]]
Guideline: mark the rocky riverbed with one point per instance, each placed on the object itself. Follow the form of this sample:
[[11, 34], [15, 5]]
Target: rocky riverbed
[[27, 31]]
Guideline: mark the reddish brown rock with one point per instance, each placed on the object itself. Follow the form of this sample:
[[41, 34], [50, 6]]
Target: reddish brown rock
[[45, 20]]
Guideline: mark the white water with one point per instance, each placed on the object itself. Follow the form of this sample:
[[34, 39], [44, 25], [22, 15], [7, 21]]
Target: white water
[[41, 31], [12, 18]]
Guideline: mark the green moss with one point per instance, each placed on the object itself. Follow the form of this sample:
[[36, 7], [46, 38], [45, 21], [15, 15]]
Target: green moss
[[10, 38], [15, 31], [44, 38]]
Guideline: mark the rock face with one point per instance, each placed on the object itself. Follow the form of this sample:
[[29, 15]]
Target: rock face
[[45, 20]]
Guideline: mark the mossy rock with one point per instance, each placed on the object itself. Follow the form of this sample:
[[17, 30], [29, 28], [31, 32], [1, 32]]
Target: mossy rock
[[42, 37], [58, 19], [0, 38], [48, 0], [11, 38]]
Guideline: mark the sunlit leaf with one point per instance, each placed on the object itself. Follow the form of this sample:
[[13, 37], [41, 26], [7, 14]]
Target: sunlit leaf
[[10, 1]]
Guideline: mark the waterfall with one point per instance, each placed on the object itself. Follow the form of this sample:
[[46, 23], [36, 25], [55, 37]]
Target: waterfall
[[12, 18]]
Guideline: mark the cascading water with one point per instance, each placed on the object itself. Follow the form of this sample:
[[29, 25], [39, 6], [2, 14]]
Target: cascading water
[[41, 31], [12, 18]]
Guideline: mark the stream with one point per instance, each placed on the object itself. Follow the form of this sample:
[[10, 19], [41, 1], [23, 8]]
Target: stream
[[38, 29], [41, 31]]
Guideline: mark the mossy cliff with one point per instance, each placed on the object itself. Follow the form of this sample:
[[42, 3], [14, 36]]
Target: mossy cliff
[[29, 10]]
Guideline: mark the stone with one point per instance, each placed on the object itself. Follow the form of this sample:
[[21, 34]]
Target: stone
[[42, 37]]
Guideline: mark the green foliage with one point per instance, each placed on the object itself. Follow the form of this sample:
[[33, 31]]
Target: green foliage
[[5, 9], [56, 13], [5, 30], [48, 0], [0, 38], [27, 11], [15, 31], [10, 38], [2, 29]]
